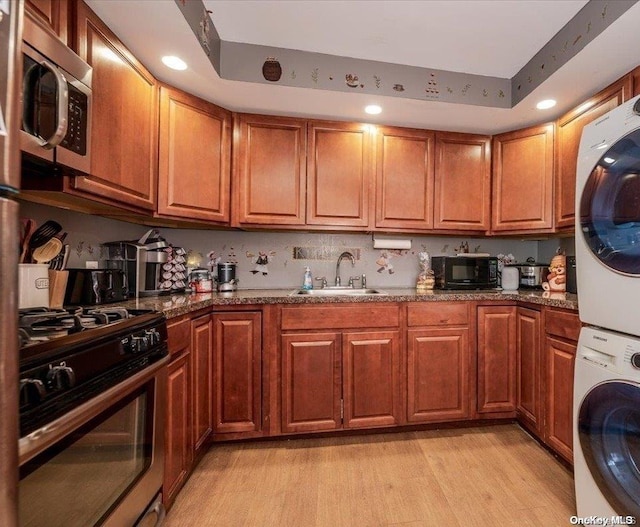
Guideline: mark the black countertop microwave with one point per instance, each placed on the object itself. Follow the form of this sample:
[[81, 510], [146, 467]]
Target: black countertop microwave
[[465, 272]]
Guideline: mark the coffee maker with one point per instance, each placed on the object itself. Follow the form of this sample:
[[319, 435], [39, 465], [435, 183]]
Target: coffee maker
[[226, 278], [141, 262]]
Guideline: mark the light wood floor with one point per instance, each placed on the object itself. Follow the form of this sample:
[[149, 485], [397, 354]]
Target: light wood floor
[[490, 476]]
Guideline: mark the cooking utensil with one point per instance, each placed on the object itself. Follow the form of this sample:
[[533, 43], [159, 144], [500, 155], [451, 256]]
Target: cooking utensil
[[29, 228], [65, 257], [44, 233], [45, 253]]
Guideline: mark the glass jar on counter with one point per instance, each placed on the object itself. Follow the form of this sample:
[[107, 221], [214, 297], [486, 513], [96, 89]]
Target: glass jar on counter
[[201, 281]]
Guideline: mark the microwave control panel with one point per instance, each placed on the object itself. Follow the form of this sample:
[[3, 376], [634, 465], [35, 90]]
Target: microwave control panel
[[76, 138]]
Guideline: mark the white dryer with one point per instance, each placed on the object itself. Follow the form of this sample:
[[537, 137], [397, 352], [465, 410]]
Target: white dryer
[[606, 433], [608, 220]]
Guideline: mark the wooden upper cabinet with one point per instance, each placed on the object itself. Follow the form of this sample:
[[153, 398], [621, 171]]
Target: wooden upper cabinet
[[269, 171], [124, 133], [339, 175], [195, 158], [52, 15], [404, 179], [568, 133], [462, 198], [523, 180]]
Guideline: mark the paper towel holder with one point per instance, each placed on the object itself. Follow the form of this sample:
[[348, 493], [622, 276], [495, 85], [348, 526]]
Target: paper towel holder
[[384, 242]]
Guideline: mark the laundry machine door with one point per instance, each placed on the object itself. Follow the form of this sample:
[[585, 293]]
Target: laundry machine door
[[610, 207], [609, 436]]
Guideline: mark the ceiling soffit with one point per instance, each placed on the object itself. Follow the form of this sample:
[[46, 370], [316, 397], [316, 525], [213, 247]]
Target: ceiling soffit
[[304, 69]]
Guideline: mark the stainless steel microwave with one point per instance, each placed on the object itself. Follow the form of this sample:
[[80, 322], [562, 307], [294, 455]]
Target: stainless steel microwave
[[56, 101], [465, 272]]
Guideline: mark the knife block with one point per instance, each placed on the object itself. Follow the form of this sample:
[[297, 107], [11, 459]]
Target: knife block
[[57, 288]]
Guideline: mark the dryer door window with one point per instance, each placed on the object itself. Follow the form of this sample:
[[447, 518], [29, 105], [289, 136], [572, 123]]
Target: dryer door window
[[609, 432], [610, 206]]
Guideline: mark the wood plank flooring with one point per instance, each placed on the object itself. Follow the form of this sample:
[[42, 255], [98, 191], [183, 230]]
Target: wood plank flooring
[[489, 476]]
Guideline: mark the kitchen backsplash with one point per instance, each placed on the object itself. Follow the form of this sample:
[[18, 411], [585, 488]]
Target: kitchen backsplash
[[277, 260]]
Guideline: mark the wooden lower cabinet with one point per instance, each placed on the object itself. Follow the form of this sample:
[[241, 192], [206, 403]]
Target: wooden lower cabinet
[[178, 454], [560, 361], [438, 370], [237, 350], [202, 380], [311, 382], [335, 380], [529, 365], [496, 359], [371, 375]]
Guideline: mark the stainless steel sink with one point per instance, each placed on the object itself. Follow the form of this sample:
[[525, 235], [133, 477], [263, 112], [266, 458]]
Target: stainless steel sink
[[335, 291]]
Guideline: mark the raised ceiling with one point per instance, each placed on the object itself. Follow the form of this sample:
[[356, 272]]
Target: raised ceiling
[[492, 38]]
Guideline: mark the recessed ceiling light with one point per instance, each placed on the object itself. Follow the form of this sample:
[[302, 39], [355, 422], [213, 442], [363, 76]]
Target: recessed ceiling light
[[546, 104], [373, 109], [609, 160], [174, 63]]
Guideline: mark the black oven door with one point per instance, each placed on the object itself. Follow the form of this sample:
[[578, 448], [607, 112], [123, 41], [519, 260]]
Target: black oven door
[[102, 463]]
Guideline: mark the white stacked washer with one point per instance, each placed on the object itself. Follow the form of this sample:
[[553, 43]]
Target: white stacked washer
[[607, 372]]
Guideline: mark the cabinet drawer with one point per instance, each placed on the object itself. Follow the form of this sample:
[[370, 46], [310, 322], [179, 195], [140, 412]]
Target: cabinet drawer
[[178, 335], [341, 317], [438, 314], [564, 324]]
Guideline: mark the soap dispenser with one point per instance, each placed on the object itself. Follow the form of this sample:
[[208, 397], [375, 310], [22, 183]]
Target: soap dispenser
[[307, 282]]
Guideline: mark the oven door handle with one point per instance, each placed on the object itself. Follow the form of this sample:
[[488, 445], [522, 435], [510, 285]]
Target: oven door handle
[[62, 100]]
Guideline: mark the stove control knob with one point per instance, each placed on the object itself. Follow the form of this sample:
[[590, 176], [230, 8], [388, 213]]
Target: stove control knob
[[635, 361], [153, 335], [139, 344], [60, 377], [32, 391]]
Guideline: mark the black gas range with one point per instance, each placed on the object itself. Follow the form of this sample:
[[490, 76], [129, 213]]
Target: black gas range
[[68, 356]]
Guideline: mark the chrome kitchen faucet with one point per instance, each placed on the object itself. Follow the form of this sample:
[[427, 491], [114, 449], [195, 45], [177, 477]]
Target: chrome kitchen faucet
[[345, 254]]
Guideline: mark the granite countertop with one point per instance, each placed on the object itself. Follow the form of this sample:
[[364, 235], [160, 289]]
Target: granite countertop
[[180, 304]]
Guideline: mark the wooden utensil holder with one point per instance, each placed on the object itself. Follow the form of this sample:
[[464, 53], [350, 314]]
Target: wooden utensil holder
[[57, 288]]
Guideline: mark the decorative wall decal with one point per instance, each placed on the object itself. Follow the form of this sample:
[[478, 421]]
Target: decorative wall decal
[[501, 94], [449, 90], [604, 12], [466, 89], [205, 30], [377, 80], [589, 27], [485, 93], [577, 39], [293, 74], [398, 87], [432, 87], [314, 75], [326, 252], [261, 261], [351, 80], [271, 69]]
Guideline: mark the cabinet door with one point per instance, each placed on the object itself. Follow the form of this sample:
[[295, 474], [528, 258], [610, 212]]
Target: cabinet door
[[561, 358], [462, 182], [177, 458], [523, 180], [53, 15], [269, 171], [438, 374], [237, 371], [339, 174], [404, 179], [529, 361], [311, 382], [195, 158], [124, 120], [496, 359], [568, 134], [371, 376], [201, 376]]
